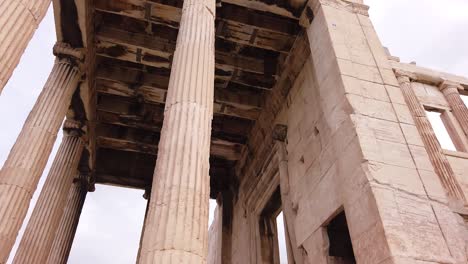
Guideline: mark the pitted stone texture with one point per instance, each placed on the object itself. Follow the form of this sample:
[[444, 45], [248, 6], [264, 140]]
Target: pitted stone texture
[[19, 20], [177, 226], [28, 157]]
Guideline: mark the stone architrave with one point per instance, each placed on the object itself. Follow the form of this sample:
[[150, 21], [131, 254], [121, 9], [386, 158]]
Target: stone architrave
[[435, 152], [28, 157], [66, 230], [177, 226], [19, 20], [40, 232], [450, 91]]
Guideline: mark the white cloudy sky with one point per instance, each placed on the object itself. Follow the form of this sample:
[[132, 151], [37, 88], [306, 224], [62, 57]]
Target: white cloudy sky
[[430, 32]]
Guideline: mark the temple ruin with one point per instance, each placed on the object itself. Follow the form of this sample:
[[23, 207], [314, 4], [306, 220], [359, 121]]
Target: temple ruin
[[289, 106]]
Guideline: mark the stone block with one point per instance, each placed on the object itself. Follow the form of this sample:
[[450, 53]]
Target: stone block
[[316, 246], [385, 151], [400, 178], [433, 186], [361, 213], [395, 94], [411, 134], [410, 225], [378, 52], [371, 245], [453, 230], [365, 89], [421, 158], [372, 108], [379, 128], [360, 71], [316, 206], [388, 77], [403, 113]]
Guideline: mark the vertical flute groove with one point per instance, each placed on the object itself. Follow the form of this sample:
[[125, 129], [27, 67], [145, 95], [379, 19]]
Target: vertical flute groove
[[28, 157], [434, 151], [63, 240], [459, 109], [177, 221], [19, 20], [40, 231]]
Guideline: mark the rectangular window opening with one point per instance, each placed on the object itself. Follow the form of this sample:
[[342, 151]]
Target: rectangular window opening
[[340, 246], [440, 130], [283, 251], [272, 229], [464, 98]]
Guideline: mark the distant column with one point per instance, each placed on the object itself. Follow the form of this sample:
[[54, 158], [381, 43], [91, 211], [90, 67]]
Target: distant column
[[19, 20], [450, 90], [28, 157], [40, 231], [177, 224], [66, 231]]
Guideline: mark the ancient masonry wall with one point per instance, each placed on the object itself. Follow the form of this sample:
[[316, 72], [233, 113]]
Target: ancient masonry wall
[[353, 145]]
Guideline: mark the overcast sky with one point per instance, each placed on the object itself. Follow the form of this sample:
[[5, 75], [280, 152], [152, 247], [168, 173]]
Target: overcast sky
[[431, 32]]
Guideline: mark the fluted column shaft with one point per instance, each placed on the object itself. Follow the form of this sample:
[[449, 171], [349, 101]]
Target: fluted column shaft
[[433, 148], [177, 224], [66, 230], [19, 20], [28, 157], [459, 109], [40, 232]]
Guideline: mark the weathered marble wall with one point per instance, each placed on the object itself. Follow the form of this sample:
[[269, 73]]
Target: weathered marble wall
[[352, 144]]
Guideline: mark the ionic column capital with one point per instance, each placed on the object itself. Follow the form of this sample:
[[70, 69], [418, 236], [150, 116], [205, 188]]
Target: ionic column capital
[[404, 76], [65, 50], [73, 128], [449, 87]]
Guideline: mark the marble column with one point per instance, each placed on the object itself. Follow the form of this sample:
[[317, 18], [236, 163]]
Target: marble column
[[177, 226], [433, 148], [28, 157], [66, 230], [40, 232], [19, 20], [459, 109]]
